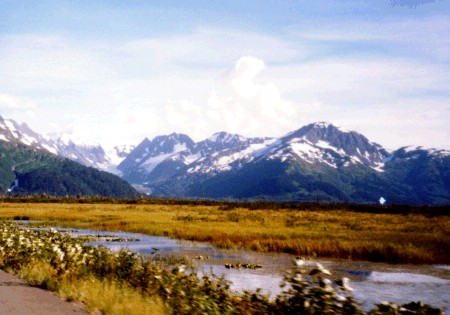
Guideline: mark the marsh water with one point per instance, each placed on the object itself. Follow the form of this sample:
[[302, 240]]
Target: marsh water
[[372, 282]]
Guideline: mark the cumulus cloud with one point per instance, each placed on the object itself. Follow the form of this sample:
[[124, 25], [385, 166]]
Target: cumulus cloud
[[239, 103]]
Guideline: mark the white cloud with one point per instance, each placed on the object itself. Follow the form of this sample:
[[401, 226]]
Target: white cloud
[[243, 75], [13, 102], [355, 83], [117, 125], [120, 91], [239, 104]]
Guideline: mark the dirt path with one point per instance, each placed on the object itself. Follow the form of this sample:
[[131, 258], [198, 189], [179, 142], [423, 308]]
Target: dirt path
[[18, 298]]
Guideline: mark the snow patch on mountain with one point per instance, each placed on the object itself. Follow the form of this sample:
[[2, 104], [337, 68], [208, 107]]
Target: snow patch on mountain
[[326, 145], [379, 167], [49, 148], [228, 159], [188, 159], [11, 131], [153, 161], [306, 151]]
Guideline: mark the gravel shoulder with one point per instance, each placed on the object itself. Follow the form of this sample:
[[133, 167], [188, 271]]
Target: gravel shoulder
[[18, 298]]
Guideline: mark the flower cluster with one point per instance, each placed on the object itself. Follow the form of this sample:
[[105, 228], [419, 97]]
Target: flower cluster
[[20, 246]]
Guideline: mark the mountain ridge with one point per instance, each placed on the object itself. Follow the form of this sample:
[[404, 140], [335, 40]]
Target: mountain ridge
[[91, 154], [318, 161]]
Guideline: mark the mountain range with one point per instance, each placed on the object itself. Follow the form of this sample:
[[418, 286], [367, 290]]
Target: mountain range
[[318, 162]]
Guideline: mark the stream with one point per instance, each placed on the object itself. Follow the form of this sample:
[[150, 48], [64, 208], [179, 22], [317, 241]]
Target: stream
[[372, 282]]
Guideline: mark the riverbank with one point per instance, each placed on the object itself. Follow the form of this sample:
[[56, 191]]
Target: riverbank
[[378, 237]]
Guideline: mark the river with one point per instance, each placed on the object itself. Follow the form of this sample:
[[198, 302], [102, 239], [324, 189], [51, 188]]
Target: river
[[372, 282]]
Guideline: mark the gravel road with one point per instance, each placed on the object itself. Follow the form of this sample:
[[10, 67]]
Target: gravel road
[[18, 298]]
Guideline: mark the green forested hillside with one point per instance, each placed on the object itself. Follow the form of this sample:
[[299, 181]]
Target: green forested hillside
[[41, 172]]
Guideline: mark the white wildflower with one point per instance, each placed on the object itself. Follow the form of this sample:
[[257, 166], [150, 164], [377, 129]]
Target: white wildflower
[[327, 285], [322, 269], [299, 261]]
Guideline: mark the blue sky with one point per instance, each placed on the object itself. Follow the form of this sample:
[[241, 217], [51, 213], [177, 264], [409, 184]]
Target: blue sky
[[114, 72]]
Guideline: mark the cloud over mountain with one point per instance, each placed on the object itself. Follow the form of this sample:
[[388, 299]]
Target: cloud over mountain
[[240, 102]]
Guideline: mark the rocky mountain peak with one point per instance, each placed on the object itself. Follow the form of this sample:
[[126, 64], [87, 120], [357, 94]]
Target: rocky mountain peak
[[222, 140], [319, 131], [11, 131], [324, 143], [149, 153]]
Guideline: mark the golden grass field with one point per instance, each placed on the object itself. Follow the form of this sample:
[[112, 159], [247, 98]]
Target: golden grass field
[[393, 238]]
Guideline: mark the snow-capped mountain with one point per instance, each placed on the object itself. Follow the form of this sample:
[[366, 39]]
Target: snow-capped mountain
[[141, 162], [318, 143], [316, 162], [323, 143], [92, 155], [221, 152], [86, 154], [11, 131]]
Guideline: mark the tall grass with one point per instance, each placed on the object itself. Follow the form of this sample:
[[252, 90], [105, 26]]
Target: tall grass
[[394, 238], [97, 295]]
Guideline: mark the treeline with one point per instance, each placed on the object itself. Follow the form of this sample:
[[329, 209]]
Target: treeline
[[235, 204]]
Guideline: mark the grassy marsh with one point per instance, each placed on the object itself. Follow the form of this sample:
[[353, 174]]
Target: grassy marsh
[[393, 238]]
